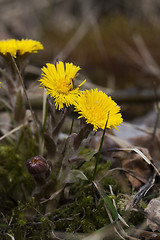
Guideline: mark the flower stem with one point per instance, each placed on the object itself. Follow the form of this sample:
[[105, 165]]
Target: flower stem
[[100, 148], [25, 92]]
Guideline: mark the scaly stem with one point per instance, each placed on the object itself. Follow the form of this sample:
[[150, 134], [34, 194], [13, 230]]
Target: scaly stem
[[72, 125], [44, 120], [25, 92], [157, 108]]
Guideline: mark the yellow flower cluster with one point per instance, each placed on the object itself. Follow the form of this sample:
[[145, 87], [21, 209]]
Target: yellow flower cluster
[[93, 105], [21, 47]]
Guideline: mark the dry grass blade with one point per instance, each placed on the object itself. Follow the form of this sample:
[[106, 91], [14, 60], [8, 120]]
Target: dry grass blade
[[120, 142], [142, 155], [5, 103], [100, 190], [78, 36], [151, 65], [101, 234], [144, 130], [112, 214], [57, 235], [121, 169], [52, 196], [121, 231], [12, 131], [10, 236], [114, 203]]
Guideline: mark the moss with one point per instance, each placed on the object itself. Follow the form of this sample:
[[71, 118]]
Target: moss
[[133, 218], [85, 215], [27, 223], [15, 182], [82, 212], [88, 169]]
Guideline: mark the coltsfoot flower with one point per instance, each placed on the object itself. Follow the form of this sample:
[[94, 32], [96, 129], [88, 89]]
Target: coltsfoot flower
[[19, 47], [97, 108], [59, 81], [37, 165], [40, 168]]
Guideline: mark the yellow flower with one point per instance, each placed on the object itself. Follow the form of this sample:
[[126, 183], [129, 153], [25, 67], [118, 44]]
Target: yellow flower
[[19, 47], [96, 107], [58, 80]]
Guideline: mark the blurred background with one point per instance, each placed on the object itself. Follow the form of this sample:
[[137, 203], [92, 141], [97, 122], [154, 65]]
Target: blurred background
[[116, 43]]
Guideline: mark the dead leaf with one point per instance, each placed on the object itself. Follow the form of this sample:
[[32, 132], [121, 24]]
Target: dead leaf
[[135, 164], [152, 144], [142, 234], [153, 209]]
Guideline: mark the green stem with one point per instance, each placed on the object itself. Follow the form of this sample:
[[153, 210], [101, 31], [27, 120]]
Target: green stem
[[100, 148]]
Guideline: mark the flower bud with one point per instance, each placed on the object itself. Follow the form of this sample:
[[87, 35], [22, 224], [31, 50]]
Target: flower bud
[[40, 168]]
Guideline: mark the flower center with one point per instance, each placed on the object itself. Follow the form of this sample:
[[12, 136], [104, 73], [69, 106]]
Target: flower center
[[96, 112], [64, 86], [34, 161]]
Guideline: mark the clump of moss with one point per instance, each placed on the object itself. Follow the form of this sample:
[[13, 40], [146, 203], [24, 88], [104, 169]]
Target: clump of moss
[[85, 215], [88, 169], [84, 211], [15, 182], [27, 223], [133, 218]]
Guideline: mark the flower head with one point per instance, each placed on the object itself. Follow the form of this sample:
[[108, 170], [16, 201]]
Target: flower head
[[97, 108], [40, 168], [58, 80], [21, 47]]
